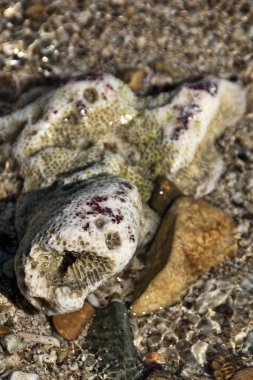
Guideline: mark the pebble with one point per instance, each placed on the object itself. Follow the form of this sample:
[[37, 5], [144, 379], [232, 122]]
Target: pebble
[[193, 237], [199, 350], [164, 194], [154, 356], [134, 78], [12, 343], [12, 361], [18, 375], [70, 325], [4, 330]]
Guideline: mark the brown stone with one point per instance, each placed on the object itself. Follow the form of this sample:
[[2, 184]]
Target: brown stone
[[5, 330], [193, 237], [164, 194], [36, 10], [134, 78], [70, 325]]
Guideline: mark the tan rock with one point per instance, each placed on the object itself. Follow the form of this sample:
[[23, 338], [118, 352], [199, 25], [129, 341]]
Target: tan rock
[[70, 325], [193, 237]]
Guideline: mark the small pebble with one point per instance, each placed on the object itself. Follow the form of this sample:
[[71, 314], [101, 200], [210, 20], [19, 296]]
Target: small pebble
[[18, 375], [70, 325], [12, 343], [153, 356], [134, 79], [4, 330], [164, 194], [12, 361], [199, 350]]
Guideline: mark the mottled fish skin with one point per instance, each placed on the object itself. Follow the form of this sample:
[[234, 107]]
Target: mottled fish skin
[[110, 339], [96, 126], [78, 123], [76, 240]]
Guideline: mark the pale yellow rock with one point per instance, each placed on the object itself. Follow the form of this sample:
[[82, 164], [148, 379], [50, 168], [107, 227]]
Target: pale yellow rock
[[193, 237]]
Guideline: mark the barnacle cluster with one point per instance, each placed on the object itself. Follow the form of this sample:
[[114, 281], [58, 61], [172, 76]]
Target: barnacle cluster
[[101, 147]]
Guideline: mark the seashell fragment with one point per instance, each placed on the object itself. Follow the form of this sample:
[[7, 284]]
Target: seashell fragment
[[36, 338]]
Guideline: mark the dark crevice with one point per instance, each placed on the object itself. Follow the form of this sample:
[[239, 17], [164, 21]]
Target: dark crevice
[[68, 260]]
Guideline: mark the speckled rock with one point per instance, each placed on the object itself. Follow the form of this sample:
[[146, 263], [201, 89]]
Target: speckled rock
[[70, 325], [85, 235], [193, 237]]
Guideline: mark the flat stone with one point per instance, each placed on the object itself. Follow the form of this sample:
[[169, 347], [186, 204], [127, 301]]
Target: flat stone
[[70, 325], [193, 237]]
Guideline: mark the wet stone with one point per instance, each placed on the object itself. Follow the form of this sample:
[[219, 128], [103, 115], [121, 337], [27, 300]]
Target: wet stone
[[70, 325], [164, 194]]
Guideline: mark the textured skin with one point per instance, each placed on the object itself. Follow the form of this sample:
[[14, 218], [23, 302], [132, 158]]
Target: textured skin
[[95, 126], [109, 338], [77, 124], [83, 236]]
